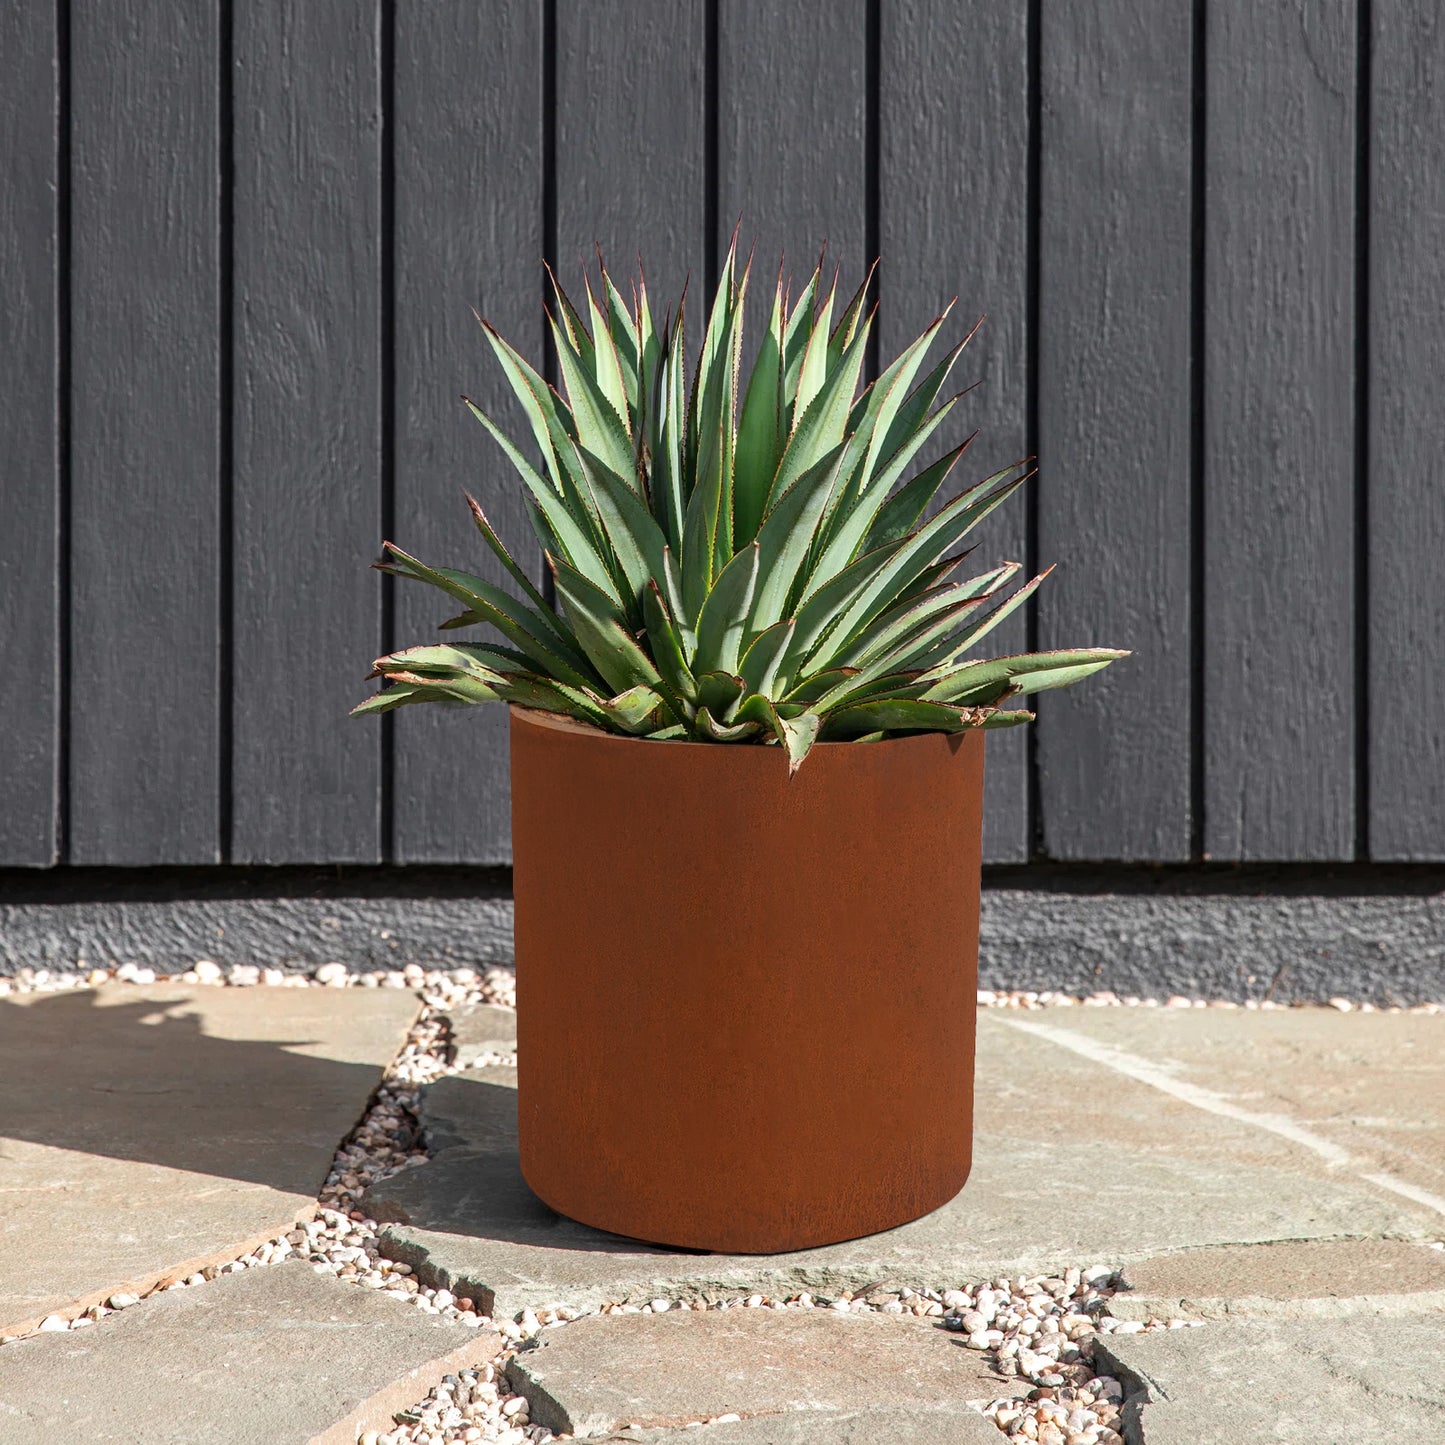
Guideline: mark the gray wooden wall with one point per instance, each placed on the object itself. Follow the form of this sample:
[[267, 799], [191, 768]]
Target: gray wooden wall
[[240, 241]]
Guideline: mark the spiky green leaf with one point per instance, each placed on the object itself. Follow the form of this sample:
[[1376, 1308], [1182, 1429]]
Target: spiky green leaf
[[722, 622]]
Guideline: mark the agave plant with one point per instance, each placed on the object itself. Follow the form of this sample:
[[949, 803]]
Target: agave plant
[[735, 566]]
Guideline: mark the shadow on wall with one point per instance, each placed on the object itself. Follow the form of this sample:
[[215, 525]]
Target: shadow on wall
[[143, 1081]]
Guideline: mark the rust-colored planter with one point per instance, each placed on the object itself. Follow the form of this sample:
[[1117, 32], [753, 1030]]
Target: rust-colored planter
[[746, 1004]]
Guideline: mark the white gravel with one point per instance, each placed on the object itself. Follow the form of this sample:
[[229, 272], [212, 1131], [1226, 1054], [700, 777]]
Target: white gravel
[[1047, 998], [449, 987], [446, 987], [1037, 1329]]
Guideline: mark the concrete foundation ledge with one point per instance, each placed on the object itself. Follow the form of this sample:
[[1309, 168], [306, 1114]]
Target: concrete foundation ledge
[[1296, 935]]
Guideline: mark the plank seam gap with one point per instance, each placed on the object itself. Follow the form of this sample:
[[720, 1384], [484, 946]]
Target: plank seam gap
[[1197, 179], [548, 85], [386, 57], [225, 663], [1033, 806], [872, 171], [711, 200], [1364, 60], [64, 251]]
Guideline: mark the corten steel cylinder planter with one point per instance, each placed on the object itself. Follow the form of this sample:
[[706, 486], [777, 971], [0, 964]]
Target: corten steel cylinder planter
[[746, 1003]]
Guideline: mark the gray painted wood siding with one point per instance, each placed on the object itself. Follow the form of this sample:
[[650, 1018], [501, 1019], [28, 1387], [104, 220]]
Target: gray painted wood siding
[[953, 83], [307, 410], [1280, 702], [144, 437], [1404, 615], [1114, 423], [467, 223], [32, 425], [243, 245]]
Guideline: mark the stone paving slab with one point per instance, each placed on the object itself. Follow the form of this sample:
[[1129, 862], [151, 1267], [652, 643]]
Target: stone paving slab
[[1369, 1085], [153, 1130], [883, 1425], [481, 1028], [649, 1371], [1317, 1279], [273, 1356], [1291, 1382], [1074, 1164]]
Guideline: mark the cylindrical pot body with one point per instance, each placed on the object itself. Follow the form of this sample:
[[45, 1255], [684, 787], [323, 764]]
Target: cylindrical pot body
[[746, 1002]]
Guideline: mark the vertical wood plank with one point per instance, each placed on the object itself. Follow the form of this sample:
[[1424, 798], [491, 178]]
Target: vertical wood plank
[[30, 598], [1406, 434], [1114, 424], [792, 123], [468, 168], [307, 429], [145, 409], [631, 173], [953, 188], [1279, 430]]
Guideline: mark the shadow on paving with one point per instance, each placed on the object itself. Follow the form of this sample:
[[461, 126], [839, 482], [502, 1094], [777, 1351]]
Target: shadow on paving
[[473, 1183], [144, 1081]]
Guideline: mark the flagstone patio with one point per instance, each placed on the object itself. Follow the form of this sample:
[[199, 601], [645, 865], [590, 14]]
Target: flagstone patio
[[1276, 1178], [151, 1130]]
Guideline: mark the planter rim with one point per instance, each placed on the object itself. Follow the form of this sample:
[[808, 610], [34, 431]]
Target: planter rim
[[560, 722]]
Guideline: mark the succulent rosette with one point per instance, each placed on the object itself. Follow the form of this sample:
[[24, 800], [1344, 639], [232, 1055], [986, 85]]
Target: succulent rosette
[[765, 564]]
